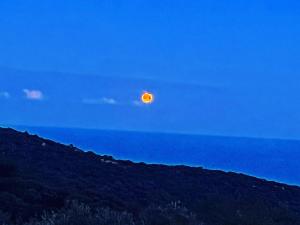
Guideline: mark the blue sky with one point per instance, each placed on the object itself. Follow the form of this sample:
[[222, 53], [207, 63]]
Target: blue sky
[[216, 67]]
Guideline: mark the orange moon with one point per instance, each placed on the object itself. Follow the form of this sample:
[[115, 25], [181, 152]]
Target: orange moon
[[147, 98]]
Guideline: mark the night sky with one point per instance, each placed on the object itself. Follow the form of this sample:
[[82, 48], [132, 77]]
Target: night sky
[[215, 67]]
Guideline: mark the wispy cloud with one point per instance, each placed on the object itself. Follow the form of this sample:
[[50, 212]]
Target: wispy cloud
[[137, 103], [110, 101], [4, 94], [104, 100], [33, 94]]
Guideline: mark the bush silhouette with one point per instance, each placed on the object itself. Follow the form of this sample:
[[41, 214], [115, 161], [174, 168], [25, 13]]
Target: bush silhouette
[[80, 214], [172, 214]]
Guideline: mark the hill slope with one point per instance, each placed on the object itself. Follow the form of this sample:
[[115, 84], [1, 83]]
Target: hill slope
[[38, 174]]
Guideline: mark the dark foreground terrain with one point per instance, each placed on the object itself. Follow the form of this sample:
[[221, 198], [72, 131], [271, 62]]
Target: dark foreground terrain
[[49, 183]]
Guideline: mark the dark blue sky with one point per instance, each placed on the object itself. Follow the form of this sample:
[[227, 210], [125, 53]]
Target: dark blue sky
[[218, 67]]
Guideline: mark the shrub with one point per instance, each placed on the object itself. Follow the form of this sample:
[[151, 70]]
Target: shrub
[[79, 214], [172, 214]]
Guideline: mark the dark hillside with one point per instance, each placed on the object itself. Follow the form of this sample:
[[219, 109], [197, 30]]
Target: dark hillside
[[38, 174]]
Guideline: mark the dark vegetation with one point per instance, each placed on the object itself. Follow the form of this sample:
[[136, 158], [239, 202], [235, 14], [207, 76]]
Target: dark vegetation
[[80, 214], [40, 179]]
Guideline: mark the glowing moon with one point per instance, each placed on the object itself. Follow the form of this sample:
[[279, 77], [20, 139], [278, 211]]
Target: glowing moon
[[147, 98]]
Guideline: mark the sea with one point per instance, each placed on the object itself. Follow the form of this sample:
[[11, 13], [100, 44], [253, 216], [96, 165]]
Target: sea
[[271, 159]]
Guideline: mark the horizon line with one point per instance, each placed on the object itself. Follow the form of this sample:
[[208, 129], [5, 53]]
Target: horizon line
[[166, 132]]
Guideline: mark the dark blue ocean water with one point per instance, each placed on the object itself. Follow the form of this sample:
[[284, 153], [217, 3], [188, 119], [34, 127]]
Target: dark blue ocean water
[[272, 159]]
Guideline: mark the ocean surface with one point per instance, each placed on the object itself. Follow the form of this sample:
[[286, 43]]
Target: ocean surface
[[272, 159]]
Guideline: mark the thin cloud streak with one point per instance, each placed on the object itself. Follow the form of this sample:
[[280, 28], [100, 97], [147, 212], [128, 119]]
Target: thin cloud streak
[[33, 94], [137, 103], [104, 100], [5, 95]]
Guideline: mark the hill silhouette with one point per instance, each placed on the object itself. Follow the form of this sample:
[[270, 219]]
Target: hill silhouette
[[38, 175]]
